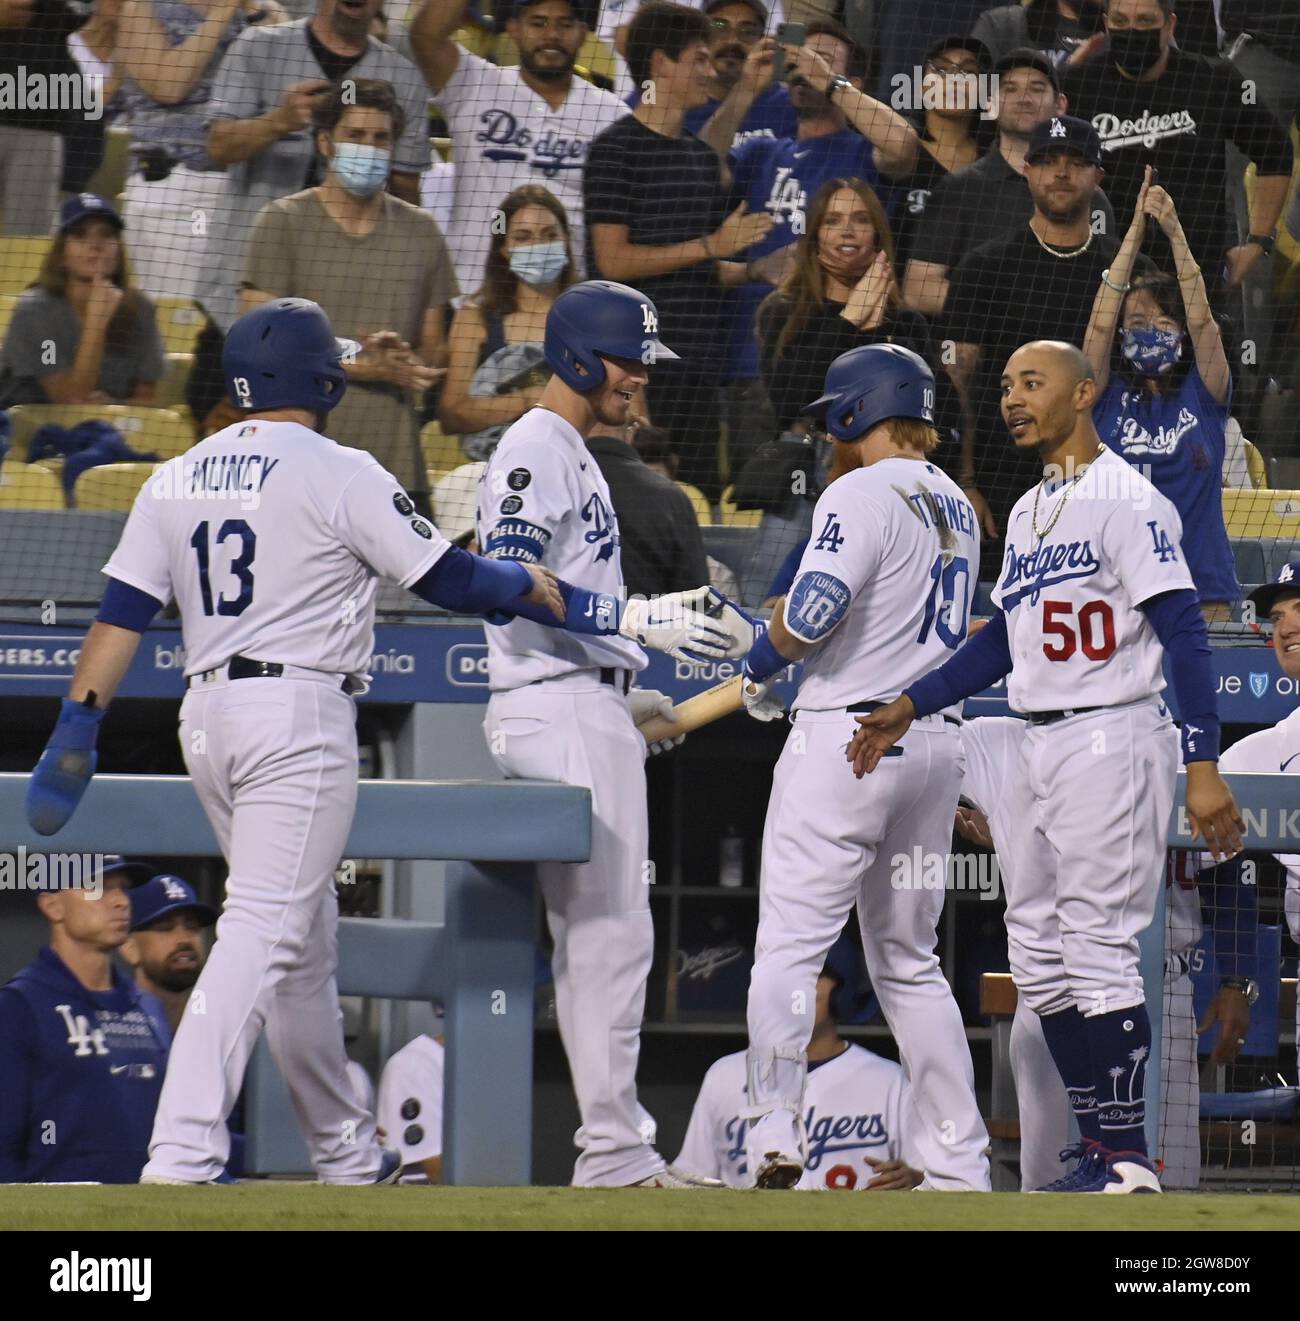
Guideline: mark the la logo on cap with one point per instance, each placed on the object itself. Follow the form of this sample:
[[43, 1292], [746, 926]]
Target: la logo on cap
[[174, 890], [1058, 129], [89, 199], [1287, 574]]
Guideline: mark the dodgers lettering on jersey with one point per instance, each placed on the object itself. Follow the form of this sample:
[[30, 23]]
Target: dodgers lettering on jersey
[[1077, 635], [542, 500], [855, 1108], [272, 539], [891, 567]]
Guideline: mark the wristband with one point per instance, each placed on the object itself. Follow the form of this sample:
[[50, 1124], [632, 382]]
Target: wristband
[[763, 661]]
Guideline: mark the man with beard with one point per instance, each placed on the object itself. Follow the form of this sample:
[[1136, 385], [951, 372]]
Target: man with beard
[[529, 123], [259, 126], [1037, 284], [167, 948]]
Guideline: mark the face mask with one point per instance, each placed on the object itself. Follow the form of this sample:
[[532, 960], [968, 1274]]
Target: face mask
[[361, 169], [539, 263], [1151, 352], [1134, 51]]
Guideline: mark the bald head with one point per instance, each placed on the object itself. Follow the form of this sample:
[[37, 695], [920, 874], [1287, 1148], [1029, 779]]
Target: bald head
[[1048, 390], [1056, 359]]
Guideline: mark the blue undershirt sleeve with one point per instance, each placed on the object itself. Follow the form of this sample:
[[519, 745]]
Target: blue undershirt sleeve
[[1178, 623], [981, 661]]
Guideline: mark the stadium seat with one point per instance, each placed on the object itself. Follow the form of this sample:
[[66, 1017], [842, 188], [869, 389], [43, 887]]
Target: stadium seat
[[1256, 466], [442, 146], [110, 179], [699, 502], [730, 545], [28, 486], [69, 551], [179, 322], [111, 486], [442, 452], [7, 304], [1284, 473], [733, 517], [20, 262], [158, 430], [1280, 553], [1251, 563], [171, 389], [1262, 515]]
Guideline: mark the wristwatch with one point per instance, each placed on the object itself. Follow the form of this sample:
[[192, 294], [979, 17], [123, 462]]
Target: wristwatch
[[1264, 241], [839, 83], [1246, 985]]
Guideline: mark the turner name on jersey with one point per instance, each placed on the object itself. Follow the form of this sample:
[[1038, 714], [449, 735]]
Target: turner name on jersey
[[227, 528]]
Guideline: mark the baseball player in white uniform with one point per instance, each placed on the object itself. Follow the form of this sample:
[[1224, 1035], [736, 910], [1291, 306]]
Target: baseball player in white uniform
[[858, 1116], [882, 594], [271, 538], [562, 706], [1093, 584]]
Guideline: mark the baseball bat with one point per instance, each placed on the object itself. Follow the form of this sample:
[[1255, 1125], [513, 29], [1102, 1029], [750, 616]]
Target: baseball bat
[[702, 709]]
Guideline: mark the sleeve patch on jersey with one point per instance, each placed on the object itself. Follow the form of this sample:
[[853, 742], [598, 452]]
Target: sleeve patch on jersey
[[518, 478], [422, 528], [403, 504], [512, 504], [816, 605], [516, 539]]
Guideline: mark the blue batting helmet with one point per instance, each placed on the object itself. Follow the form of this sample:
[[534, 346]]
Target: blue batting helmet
[[871, 384], [852, 998], [283, 354], [601, 317]]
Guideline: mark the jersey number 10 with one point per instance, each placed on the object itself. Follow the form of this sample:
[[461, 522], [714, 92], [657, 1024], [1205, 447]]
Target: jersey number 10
[[946, 605], [241, 566]]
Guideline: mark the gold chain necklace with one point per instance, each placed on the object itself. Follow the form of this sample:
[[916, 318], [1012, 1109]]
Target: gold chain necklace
[[1064, 256], [1069, 490]]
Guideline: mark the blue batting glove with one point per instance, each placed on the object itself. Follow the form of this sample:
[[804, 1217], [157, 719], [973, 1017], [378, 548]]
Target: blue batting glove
[[65, 768], [740, 627]]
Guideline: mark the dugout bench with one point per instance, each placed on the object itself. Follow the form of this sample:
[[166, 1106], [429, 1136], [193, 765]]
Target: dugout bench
[[479, 961]]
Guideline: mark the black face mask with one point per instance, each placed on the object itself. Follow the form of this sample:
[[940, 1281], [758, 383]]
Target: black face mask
[[1135, 50]]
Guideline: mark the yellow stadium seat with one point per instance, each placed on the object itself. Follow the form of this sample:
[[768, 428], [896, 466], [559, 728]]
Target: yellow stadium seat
[[733, 517], [1256, 466], [29, 486], [699, 502], [7, 304], [110, 179], [1262, 515], [179, 324], [442, 452], [158, 430], [110, 486], [442, 146], [20, 262], [477, 40], [171, 389]]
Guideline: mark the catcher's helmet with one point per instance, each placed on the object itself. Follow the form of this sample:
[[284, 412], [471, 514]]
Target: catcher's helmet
[[598, 317], [283, 354], [871, 384]]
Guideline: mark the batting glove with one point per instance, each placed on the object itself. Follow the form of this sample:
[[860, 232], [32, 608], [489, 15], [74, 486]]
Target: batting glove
[[742, 628], [65, 768], [676, 624], [645, 704], [760, 702]]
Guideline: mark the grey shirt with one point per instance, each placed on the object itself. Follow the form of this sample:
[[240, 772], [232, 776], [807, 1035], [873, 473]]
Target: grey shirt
[[42, 340], [257, 71], [985, 201]]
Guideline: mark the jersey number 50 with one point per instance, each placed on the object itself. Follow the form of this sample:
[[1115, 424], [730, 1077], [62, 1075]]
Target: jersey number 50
[[1095, 636], [241, 565]]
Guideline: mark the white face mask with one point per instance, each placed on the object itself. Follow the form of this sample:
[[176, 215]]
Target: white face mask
[[361, 169], [539, 263]]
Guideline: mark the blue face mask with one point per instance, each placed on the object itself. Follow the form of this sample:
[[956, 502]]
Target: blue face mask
[[360, 168], [1151, 352], [539, 263]]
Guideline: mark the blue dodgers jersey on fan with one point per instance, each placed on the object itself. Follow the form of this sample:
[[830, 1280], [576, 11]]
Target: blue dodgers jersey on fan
[[1177, 439], [770, 116], [80, 1076], [781, 176]]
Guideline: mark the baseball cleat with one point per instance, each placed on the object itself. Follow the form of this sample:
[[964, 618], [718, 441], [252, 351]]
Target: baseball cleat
[[221, 1179], [390, 1168], [777, 1170], [671, 1177], [1091, 1157], [1127, 1172]]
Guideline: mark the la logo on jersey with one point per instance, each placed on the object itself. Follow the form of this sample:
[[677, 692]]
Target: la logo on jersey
[[1161, 545], [602, 529], [80, 1034]]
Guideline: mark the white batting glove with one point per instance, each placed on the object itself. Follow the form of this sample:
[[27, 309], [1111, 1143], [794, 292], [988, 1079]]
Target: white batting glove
[[759, 699], [645, 704], [676, 624], [739, 626]]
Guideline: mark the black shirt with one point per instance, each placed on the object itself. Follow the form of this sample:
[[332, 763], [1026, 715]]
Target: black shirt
[[986, 201], [666, 191], [1179, 124], [660, 544], [33, 55], [911, 198], [334, 67]]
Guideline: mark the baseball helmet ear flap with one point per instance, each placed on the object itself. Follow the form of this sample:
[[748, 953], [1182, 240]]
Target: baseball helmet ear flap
[[870, 385], [601, 319]]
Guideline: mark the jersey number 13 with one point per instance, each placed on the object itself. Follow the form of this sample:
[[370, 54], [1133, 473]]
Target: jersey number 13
[[241, 566]]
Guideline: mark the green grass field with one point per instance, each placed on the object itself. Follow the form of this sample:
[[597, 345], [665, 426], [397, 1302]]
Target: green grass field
[[306, 1206]]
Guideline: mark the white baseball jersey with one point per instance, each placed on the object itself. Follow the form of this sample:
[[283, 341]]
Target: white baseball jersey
[[410, 1102], [855, 1106], [504, 136], [542, 500], [891, 565], [1071, 598], [992, 747], [272, 538]]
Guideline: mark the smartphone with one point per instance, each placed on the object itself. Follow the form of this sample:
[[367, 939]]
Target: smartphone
[[787, 34]]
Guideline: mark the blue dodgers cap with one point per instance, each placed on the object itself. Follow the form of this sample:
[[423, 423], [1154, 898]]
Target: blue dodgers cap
[[87, 206], [1287, 580], [163, 895]]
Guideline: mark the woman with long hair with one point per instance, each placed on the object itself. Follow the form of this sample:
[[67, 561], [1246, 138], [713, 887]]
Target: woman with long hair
[[81, 334], [496, 370], [1165, 409]]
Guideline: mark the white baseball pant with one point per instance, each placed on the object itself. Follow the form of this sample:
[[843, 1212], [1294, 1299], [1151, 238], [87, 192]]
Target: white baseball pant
[[274, 762], [576, 730], [829, 841]]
